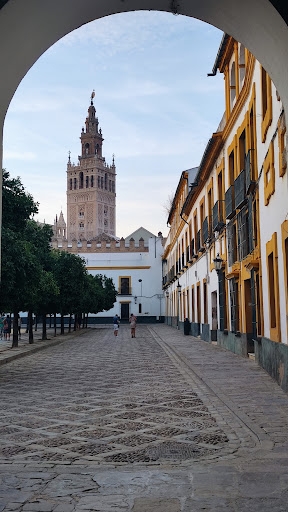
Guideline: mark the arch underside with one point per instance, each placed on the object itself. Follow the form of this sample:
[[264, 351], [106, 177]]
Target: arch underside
[[29, 27]]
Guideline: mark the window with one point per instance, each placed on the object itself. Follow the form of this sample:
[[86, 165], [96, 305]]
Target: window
[[125, 285], [71, 183], [192, 304], [87, 181], [102, 181], [241, 64], [269, 174], [92, 181], [266, 98], [87, 148], [234, 305], [242, 150], [205, 300], [232, 86], [140, 309], [81, 226], [273, 288], [81, 179], [105, 181], [75, 183], [282, 146], [198, 303], [284, 229]]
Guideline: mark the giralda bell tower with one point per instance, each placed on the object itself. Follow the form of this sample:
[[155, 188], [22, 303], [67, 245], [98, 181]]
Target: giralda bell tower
[[91, 191]]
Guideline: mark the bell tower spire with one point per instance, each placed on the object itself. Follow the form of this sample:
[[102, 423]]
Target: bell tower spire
[[91, 137], [91, 185]]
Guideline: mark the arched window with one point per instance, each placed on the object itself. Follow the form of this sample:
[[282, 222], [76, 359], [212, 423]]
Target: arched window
[[232, 86], [110, 186], [92, 181], [96, 149], [113, 186], [102, 181], [98, 181], [71, 184], [241, 64], [81, 179], [87, 148], [75, 183], [105, 181], [87, 181]]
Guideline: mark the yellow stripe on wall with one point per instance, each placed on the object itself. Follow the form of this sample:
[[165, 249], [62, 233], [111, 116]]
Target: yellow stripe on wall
[[116, 268]]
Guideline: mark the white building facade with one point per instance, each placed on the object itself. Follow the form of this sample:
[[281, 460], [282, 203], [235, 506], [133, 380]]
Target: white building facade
[[235, 215]]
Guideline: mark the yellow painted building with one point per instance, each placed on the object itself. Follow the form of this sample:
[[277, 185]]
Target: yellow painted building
[[234, 214]]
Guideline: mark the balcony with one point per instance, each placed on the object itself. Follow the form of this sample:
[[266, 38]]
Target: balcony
[[217, 216], [230, 202], [125, 291], [199, 244], [239, 188], [250, 183], [205, 230], [192, 251], [183, 260]]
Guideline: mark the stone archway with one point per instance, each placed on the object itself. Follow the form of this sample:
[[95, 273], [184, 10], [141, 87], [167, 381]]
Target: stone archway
[[29, 27]]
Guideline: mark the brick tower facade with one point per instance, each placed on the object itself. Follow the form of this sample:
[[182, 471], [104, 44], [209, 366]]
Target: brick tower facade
[[91, 186]]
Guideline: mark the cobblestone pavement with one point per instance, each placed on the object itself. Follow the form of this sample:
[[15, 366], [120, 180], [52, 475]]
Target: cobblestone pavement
[[162, 422]]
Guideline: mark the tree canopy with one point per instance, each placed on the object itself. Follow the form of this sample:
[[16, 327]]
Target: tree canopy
[[39, 279]]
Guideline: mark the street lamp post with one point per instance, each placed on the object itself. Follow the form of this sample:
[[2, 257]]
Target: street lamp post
[[218, 267], [178, 302]]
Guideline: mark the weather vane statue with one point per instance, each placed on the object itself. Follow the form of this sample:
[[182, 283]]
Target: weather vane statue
[[92, 96]]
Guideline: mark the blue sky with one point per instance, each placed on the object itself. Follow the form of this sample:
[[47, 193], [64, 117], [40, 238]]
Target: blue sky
[[156, 107]]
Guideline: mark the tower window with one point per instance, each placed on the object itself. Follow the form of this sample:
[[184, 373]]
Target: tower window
[[105, 181], [71, 184], [87, 181], [75, 183], [92, 181], [81, 226], [102, 182], [110, 187], [87, 148], [81, 179], [113, 186]]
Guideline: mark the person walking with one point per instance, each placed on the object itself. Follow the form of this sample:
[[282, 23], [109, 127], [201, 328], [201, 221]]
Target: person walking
[[19, 326], [133, 321], [8, 328], [1, 325], [116, 322]]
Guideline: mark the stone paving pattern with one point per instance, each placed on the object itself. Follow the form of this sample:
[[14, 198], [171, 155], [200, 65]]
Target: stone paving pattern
[[162, 422]]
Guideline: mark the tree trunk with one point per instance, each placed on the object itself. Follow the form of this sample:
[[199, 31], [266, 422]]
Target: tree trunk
[[70, 322], [86, 324], [44, 329], [15, 330], [27, 325], [75, 322], [30, 327], [50, 321], [55, 325], [36, 323], [62, 324], [83, 320]]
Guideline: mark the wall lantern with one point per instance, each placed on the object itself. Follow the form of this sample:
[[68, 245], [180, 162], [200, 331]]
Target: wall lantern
[[218, 263], [167, 294], [179, 287]]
